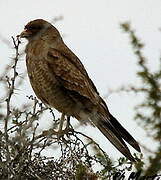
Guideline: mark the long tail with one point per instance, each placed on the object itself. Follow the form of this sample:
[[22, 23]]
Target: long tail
[[115, 133], [125, 134]]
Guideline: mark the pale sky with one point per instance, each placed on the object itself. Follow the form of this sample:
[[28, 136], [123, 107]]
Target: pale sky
[[91, 30]]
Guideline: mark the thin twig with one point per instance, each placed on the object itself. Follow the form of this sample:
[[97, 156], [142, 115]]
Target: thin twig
[[11, 91]]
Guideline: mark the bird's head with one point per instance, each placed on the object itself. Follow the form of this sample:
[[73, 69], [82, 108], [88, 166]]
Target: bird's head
[[38, 28]]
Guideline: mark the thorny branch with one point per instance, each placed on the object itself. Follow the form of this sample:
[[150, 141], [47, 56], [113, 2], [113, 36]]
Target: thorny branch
[[11, 86]]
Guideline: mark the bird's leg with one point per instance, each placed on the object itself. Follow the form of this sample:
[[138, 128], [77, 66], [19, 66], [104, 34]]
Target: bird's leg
[[62, 131], [68, 122], [61, 122], [68, 127]]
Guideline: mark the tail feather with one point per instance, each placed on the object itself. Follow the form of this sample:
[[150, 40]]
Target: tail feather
[[115, 134], [124, 134]]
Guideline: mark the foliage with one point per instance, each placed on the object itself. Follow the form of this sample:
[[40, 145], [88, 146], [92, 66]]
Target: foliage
[[151, 89]]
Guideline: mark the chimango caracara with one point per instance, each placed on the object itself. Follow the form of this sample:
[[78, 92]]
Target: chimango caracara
[[60, 80]]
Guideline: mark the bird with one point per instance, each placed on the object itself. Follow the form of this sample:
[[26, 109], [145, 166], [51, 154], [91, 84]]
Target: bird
[[60, 80]]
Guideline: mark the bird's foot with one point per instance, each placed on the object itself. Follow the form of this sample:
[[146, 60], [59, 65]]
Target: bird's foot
[[61, 132]]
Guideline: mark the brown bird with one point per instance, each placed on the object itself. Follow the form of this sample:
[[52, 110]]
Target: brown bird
[[60, 80]]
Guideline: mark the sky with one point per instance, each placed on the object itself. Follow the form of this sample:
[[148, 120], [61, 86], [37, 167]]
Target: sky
[[92, 31]]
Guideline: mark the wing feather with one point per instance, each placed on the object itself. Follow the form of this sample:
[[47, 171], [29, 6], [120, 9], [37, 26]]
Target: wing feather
[[71, 76]]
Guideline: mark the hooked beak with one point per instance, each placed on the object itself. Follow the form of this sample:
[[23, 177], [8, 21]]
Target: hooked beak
[[25, 34]]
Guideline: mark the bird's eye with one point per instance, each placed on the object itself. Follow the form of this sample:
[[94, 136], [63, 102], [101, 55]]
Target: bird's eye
[[33, 28]]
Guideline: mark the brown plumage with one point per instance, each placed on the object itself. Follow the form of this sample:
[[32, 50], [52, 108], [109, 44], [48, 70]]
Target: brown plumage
[[60, 80]]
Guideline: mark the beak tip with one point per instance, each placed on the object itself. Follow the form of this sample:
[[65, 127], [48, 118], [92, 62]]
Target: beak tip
[[23, 34]]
